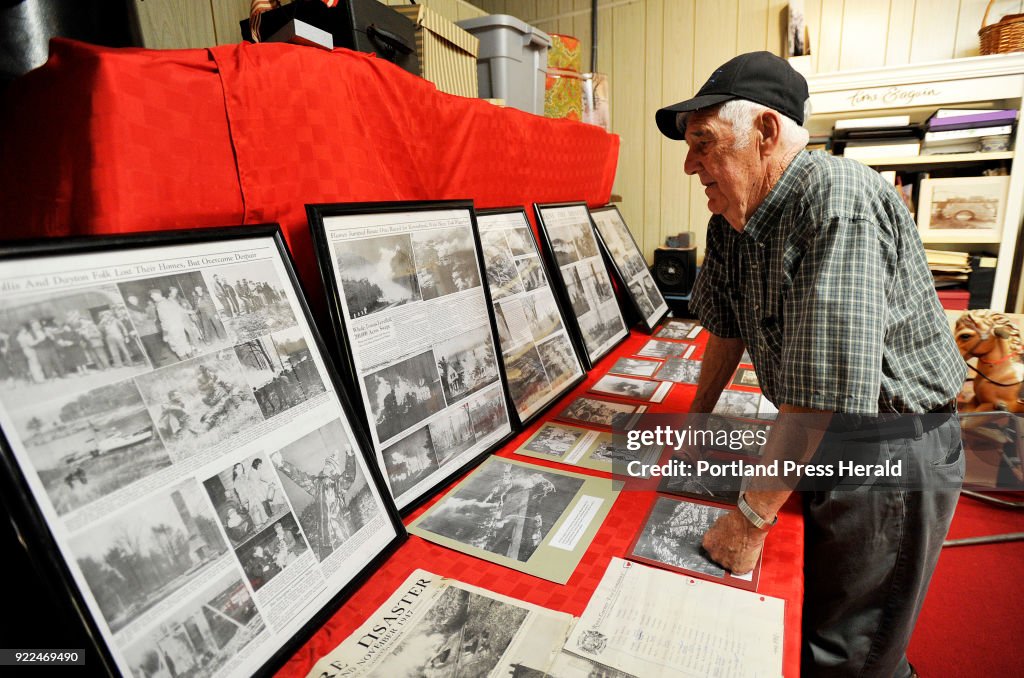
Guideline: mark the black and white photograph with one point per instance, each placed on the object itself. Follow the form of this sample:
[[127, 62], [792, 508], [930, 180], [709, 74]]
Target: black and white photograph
[[410, 461], [463, 634], [504, 508], [531, 273], [962, 209], [675, 331], [729, 424], [724, 487], [326, 486], [488, 413], [87, 445], [636, 290], [554, 440], [246, 498], [737, 404], [608, 451], [577, 295], [541, 314], [200, 403], [502, 272], [445, 261], [466, 363], [271, 551], [259, 304], [596, 281], [651, 290], [280, 369], [656, 348], [673, 534], [559, 358], [66, 341], [505, 336], [527, 379], [626, 387], [599, 412], [142, 555], [403, 394], [520, 241], [635, 367], [572, 242], [199, 638], [600, 328], [451, 433], [377, 273], [745, 377], [175, 317], [680, 370]]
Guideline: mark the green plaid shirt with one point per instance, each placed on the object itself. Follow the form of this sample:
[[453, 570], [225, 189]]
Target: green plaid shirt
[[829, 289]]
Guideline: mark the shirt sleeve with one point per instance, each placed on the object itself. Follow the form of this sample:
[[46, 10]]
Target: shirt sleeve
[[835, 318], [710, 298]]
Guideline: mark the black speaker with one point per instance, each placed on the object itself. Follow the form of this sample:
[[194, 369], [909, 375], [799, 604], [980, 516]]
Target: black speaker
[[675, 269]]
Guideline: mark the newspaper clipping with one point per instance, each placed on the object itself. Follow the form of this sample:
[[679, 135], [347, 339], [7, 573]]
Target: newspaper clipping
[[631, 264], [419, 330], [434, 626], [539, 358], [176, 425], [585, 277]]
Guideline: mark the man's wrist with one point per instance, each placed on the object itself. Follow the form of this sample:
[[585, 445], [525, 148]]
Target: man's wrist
[[754, 516]]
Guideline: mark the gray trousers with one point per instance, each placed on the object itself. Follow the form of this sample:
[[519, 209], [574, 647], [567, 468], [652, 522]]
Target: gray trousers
[[870, 553]]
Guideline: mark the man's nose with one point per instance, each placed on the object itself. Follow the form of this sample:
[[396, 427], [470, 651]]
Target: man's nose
[[690, 164]]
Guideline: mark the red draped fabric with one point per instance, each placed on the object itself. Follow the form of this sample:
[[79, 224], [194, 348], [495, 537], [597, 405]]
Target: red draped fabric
[[112, 141]]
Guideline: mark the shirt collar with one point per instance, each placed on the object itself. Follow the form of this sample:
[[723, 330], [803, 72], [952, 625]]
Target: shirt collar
[[765, 217]]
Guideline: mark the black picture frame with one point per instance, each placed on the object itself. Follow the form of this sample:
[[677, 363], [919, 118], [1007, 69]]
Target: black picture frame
[[316, 214], [568, 387], [651, 320], [590, 359], [35, 532]]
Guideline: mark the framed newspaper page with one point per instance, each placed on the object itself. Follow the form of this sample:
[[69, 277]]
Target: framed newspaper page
[[584, 284], [177, 451], [413, 317], [629, 266], [540, 360]]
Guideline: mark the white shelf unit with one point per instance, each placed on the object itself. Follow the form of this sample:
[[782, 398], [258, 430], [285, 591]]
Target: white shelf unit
[[993, 82]]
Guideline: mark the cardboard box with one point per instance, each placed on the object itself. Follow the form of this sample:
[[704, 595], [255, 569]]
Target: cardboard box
[[563, 95], [447, 54]]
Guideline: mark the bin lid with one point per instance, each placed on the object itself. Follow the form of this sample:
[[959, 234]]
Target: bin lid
[[504, 21]]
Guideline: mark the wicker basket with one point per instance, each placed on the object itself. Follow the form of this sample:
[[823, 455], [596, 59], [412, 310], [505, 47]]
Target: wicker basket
[[1006, 35]]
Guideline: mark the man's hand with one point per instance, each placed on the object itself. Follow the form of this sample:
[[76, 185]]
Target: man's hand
[[734, 543]]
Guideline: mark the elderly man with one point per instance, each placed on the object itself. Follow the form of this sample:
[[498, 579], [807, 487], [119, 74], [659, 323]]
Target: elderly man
[[814, 265]]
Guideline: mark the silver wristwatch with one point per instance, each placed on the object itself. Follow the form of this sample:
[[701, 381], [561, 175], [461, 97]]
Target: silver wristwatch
[[752, 515]]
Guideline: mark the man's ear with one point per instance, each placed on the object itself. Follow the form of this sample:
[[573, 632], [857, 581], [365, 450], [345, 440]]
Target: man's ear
[[769, 126]]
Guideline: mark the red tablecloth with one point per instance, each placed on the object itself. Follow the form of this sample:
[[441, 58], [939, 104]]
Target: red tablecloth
[[781, 570], [113, 141]]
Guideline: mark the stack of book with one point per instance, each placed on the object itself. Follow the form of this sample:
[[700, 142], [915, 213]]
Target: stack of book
[[949, 269], [890, 136], [966, 130]]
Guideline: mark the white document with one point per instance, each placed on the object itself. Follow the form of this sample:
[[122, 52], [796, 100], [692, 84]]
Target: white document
[[652, 623]]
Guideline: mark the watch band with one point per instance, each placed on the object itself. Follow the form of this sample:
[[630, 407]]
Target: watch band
[[752, 515]]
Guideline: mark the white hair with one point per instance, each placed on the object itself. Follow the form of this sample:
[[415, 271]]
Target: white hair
[[740, 113]]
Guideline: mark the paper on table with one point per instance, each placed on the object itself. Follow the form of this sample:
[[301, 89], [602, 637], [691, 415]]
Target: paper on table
[[652, 623]]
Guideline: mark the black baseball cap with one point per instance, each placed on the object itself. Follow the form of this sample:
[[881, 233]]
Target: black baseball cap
[[760, 77]]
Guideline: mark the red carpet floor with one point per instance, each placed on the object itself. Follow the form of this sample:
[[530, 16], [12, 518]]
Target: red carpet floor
[[972, 623]]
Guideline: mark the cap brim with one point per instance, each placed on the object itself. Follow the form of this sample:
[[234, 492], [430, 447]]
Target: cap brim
[[666, 117]]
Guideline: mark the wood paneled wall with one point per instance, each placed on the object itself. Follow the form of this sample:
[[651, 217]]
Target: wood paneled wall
[[658, 52]]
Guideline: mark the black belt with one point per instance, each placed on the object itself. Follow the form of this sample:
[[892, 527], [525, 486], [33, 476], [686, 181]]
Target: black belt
[[882, 427]]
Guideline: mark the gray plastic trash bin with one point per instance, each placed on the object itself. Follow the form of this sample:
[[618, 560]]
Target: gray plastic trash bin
[[512, 62]]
